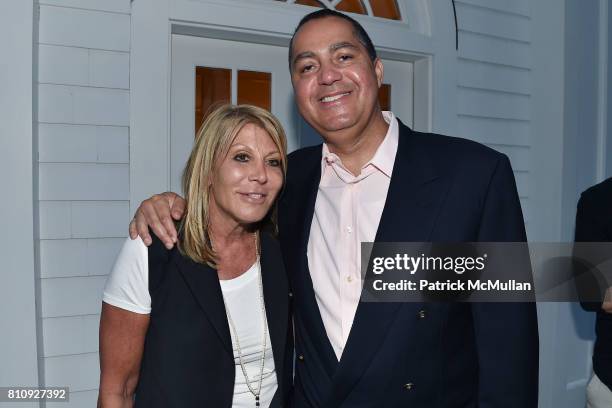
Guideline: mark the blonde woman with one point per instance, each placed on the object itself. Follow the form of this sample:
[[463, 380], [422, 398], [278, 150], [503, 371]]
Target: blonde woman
[[206, 324]]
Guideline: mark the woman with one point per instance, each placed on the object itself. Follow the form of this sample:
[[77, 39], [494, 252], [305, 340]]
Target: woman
[[206, 325]]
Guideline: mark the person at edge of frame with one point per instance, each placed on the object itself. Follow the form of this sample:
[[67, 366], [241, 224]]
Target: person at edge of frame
[[594, 224]]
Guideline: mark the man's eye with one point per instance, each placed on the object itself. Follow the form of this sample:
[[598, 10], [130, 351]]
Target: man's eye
[[307, 68], [241, 157], [346, 57], [274, 162]]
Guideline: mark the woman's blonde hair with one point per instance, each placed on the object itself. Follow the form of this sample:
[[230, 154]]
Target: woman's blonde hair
[[212, 143]]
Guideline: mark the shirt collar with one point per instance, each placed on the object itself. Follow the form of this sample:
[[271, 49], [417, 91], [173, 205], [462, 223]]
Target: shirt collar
[[383, 158]]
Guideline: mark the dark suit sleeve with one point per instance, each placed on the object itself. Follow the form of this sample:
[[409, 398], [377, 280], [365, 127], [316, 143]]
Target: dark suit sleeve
[[588, 229], [506, 333]]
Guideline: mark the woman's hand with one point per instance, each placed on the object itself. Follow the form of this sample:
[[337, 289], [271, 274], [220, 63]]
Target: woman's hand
[[158, 213], [122, 337]]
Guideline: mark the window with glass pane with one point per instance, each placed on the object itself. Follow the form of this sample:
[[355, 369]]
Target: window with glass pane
[[313, 3], [386, 9], [384, 97], [352, 6], [255, 88], [213, 87]]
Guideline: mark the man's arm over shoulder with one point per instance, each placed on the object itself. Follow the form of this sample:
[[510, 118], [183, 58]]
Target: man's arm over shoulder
[[158, 214]]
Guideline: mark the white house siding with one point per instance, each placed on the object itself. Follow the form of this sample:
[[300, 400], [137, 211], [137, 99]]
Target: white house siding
[[83, 135], [493, 81]]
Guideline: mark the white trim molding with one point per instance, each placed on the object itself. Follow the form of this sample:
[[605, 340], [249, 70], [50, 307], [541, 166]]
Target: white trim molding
[[18, 344], [602, 97]]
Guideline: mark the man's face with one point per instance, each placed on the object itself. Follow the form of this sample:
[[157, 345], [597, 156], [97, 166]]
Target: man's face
[[335, 82]]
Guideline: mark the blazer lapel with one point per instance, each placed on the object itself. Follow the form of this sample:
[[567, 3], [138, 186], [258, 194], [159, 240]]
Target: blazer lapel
[[276, 300], [415, 195], [204, 284], [298, 211]]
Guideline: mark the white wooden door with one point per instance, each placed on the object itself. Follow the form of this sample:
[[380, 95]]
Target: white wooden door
[[190, 52]]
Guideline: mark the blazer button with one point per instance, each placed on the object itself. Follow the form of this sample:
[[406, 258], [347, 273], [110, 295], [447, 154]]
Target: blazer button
[[408, 386], [301, 357], [422, 314]]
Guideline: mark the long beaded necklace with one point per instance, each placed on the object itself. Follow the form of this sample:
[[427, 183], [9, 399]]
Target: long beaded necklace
[[256, 392]]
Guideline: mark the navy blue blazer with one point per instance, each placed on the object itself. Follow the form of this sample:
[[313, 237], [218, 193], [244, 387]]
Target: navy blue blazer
[[417, 354]]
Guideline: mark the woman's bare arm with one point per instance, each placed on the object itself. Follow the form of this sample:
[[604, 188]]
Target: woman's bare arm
[[122, 337]]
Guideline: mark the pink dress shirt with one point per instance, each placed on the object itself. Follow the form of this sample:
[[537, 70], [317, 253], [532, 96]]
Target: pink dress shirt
[[347, 212]]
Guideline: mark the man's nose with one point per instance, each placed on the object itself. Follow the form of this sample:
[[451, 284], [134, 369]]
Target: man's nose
[[328, 74]]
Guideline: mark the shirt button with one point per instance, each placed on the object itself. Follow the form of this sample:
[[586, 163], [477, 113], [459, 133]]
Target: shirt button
[[301, 357], [349, 229], [349, 279], [408, 386], [422, 314]]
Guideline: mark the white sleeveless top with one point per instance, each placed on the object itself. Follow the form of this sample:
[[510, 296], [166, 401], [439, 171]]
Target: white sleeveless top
[[127, 287], [242, 298]]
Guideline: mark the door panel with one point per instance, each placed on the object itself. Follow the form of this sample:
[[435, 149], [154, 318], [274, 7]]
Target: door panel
[[253, 68]]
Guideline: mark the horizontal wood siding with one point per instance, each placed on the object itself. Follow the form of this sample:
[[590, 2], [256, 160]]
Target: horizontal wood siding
[[83, 155], [494, 82]]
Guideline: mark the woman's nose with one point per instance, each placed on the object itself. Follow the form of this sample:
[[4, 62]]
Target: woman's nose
[[258, 171]]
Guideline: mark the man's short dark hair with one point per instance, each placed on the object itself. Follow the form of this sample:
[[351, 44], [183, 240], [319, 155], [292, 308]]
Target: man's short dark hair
[[358, 30]]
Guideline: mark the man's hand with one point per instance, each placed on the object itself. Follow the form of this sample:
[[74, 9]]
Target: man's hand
[[159, 213], [607, 303]]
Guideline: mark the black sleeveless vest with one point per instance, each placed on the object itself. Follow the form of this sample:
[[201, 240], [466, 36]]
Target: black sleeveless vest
[[188, 359]]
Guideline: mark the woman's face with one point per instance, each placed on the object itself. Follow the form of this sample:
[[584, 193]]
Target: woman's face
[[247, 180]]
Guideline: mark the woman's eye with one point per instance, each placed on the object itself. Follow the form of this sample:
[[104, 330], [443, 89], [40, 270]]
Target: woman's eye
[[241, 157], [274, 162]]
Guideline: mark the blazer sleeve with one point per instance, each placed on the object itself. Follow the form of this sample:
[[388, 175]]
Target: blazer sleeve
[[506, 333], [589, 228]]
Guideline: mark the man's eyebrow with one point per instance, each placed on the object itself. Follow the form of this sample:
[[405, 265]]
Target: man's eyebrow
[[302, 55], [344, 44], [332, 48]]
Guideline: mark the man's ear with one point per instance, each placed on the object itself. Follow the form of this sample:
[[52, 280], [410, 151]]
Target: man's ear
[[379, 70]]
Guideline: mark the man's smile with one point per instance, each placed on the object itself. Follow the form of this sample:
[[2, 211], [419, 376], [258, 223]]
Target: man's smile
[[334, 97]]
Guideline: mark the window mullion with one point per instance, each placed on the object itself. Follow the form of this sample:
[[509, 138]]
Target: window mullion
[[368, 7]]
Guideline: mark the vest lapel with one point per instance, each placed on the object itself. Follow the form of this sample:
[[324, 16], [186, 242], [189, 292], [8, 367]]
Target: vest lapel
[[414, 198], [205, 287], [276, 301], [204, 284]]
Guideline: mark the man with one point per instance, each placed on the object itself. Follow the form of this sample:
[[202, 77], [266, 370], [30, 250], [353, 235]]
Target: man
[[375, 179], [594, 224]]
